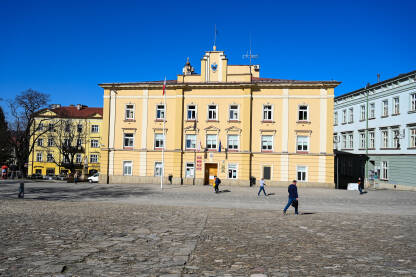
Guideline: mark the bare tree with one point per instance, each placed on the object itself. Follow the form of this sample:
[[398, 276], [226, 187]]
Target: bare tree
[[68, 138], [25, 129], [5, 147]]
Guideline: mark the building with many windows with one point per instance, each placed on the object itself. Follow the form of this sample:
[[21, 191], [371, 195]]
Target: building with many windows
[[391, 144], [59, 127], [226, 121]]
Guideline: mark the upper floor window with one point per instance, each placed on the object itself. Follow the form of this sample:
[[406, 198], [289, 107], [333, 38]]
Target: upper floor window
[[362, 140], [385, 138], [344, 116], [212, 141], [39, 156], [67, 127], [40, 142], [190, 142], [50, 142], [267, 112], [335, 140], [191, 112], [212, 112], [234, 112], [79, 128], [94, 129], [413, 102], [267, 143], [78, 159], [385, 111], [65, 159], [79, 142], [94, 143], [40, 126], [362, 112], [302, 144], [412, 132], [51, 127], [351, 115], [128, 140], [395, 136], [344, 141], [160, 111], [93, 158], [396, 105], [159, 141], [129, 112], [371, 139], [66, 142], [49, 158], [351, 141], [303, 113], [372, 110], [336, 118], [233, 141]]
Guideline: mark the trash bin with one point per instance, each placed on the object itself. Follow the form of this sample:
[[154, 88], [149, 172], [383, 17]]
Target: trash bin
[[252, 181], [22, 190]]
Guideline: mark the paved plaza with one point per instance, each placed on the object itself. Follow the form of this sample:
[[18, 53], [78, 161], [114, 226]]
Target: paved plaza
[[62, 229]]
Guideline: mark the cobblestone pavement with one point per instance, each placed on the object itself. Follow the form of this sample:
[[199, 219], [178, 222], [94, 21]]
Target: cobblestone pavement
[[88, 231]]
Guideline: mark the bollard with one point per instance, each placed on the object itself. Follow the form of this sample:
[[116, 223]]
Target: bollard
[[22, 190]]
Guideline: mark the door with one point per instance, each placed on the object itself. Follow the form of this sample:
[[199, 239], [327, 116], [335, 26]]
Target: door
[[210, 172]]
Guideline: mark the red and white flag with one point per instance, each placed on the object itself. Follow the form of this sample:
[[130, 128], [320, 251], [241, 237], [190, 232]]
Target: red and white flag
[[164, 86]]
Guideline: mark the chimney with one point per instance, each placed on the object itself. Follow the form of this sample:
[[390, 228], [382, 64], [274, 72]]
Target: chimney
[[54, 106], [378, 77], [79, 106]]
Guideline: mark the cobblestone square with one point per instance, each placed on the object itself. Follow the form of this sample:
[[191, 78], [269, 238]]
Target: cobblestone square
[[63, 229]]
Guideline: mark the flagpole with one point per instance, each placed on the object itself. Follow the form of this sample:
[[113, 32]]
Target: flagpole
[[164, 136]]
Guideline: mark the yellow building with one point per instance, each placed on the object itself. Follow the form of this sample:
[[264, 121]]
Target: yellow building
[[226, 121], [53, 132]]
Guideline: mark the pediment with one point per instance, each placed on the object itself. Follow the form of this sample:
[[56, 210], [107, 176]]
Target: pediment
[[233, 129], [212, 129], [47, 112], [190, 128]]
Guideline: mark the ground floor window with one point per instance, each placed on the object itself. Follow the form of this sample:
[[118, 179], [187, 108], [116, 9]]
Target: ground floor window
[[158, 168], [232, 171], [302, 173], [127, 168], [38, 171], [50, 171], [267, 172], [413, 137], [189, 170], [384, 170]]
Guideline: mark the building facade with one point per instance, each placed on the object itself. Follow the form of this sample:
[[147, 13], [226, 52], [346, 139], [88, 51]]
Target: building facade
[[391, 113], [225, 121], [53, 132]]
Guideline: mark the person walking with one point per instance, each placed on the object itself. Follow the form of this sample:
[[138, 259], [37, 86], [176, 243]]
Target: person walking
[[293, 197], [76, 177], [360, 186], [262, 184], [217, 182]]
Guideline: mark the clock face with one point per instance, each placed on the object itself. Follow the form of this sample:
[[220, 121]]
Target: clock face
[[214, 67]]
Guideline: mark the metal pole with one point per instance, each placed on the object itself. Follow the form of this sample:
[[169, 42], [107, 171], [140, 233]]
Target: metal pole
[[164, 141], [366, 136]]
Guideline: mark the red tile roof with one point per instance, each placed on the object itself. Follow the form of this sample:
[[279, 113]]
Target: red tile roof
[[73, 112]]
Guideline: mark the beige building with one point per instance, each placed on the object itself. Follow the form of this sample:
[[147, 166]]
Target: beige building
[[226, 121]]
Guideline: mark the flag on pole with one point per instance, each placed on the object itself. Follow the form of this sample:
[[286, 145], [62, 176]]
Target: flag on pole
[[219, 148], [198, 146], [164, 86]]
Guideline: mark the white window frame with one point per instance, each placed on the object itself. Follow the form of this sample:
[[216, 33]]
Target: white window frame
[[79, 141], [372, 110], [303, 142], [302, 169], [125, 166], [362, 112], [266, 148], [344, 116], [233, 167], [396, 106], [189, 170], [384, 138], [412, 137], [158, 169], [39, 157], [351, 141], [269, 112], [362, 139], [129, 113], [159, 139], [371, 139], [384, 170], [49, 158], [130, 139], [208, 141], [95, 143], [193, 111], [412, 102], [211, 112], [343, 141], [192, 139], [78, 158], [160, 112], [385, 108], [93, 158], [395, 138], [304, 112], [95, 128], [336, 118], [233, 147], [80, 128], [51, 142], [40, 142], [350, 115], [233, 112]]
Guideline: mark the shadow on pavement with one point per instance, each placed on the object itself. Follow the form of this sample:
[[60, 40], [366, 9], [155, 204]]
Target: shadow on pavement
[[224, 190]]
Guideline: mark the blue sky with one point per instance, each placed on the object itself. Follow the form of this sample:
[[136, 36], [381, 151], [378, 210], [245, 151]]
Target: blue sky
[[65, 48]]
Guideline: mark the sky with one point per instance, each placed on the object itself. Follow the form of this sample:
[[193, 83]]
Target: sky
[[66, 48]]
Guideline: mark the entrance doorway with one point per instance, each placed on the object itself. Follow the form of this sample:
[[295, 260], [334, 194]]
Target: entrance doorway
[[210, 171]]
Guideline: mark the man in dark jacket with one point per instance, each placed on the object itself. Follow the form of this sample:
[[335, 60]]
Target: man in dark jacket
[[293, 197], [217, 182]]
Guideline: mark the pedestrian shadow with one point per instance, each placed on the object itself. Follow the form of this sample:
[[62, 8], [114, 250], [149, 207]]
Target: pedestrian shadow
[[271, 193], [307, 213], [224, 190]]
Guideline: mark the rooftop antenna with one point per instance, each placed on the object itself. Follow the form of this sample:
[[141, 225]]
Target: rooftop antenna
[[250, 56]]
